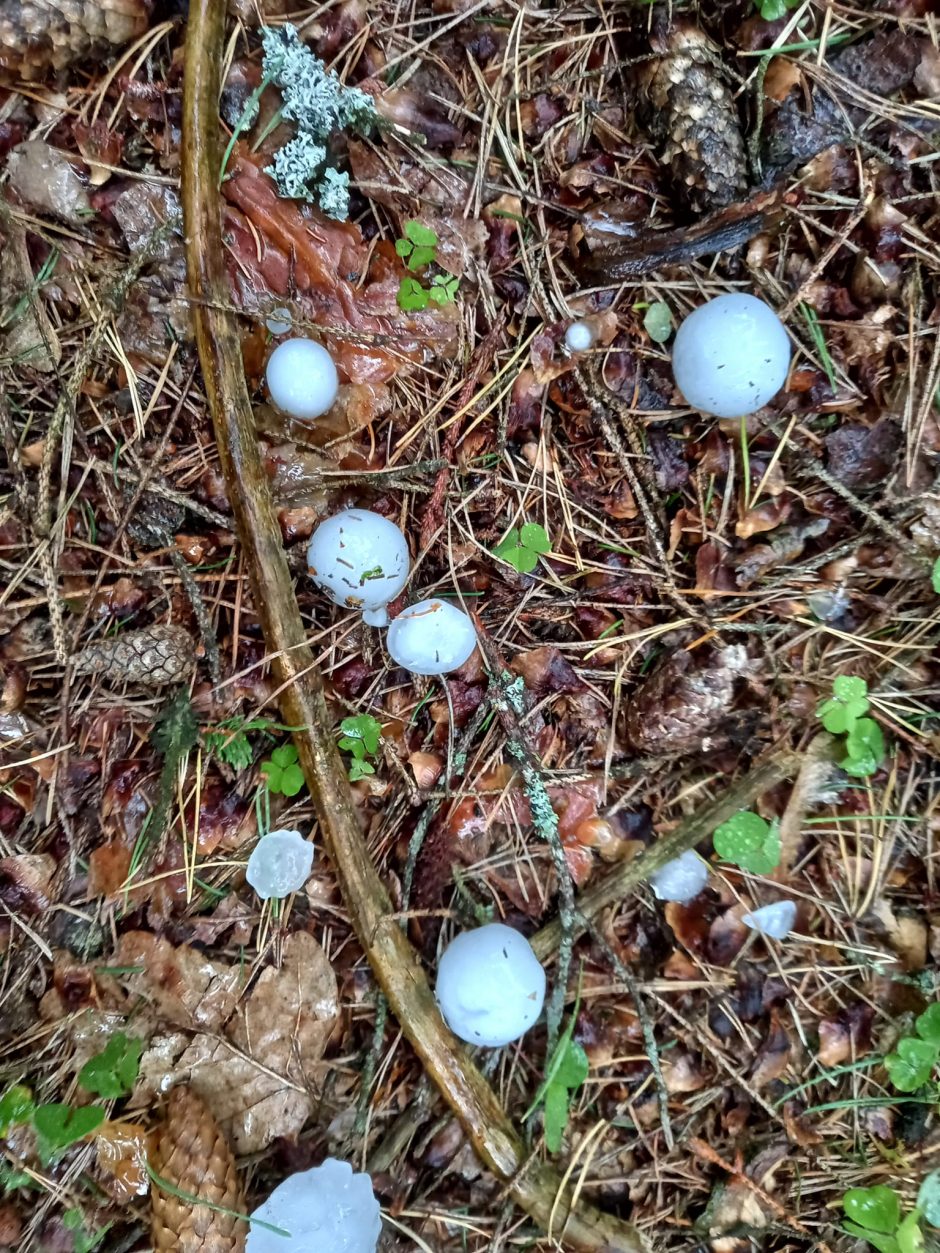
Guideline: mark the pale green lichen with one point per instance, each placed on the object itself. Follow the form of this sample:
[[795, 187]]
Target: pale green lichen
[[321, 106]]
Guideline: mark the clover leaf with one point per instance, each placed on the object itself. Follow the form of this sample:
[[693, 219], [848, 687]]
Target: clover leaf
[[910, 1064], [848, 703], [57, 1126], [748, 841], [281, 771], [113, 1072], [523, 546]]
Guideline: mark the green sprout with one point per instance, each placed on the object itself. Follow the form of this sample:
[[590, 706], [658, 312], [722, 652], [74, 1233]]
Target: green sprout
[[281, 772], [113, 1072], [748, 841], [843, 714], [360, 737], [566, 1072], [911, 1064]]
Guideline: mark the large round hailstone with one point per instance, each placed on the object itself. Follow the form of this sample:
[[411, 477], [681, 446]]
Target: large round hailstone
[[360, 560], [490, 985], [680, 879], [730, 356], [431, 637], [279, 864], [579, 337], [302, 379], [328, 1207], [775, 921]]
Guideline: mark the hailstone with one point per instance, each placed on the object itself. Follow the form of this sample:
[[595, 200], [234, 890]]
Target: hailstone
[[302, 379], [680, 879], [774, 920], [431, 637], [730, 356], [279, 320], [360, 560], [490, 985], [279, 864], [579, 337], [328, 1207]]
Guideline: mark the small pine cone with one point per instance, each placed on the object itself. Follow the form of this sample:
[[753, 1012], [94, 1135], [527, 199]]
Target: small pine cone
[[691, 116], [681, 707], [39, 35], [191, 1153], [153, 656]]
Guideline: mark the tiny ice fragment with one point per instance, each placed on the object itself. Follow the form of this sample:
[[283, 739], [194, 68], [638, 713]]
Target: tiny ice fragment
[[302, 379], [327, 1208], [431, 637], [774, 920], [579, 337], [279, 320], [680, 879], [279, 864], [731, 355], [359, 559], [490, 985]]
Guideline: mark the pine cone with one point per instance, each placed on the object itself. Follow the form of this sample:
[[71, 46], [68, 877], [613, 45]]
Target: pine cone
[[691, 116], [38, 35], [191, 1154], [153, 656], [681, 706]]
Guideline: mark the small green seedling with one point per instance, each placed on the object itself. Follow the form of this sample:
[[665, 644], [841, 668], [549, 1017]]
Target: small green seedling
[[849, 701], [57, 1126], [282, 773], [16, 1106], [935, 576], [228, 739], [418, 247], [843, 714], [523, 546], [772, 10], [82, 1240], [360, 737], [914, 1058], [567, 1071], [113, 1072], [748, 841], [874, 1215]]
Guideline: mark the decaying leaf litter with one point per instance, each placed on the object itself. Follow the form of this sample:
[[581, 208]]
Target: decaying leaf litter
[[708, 589]]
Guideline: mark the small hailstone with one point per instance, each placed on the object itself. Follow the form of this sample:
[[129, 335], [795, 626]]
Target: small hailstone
[[775, 921], [730, 356], [302, 378], [579, 337], [360, 560], [490, 985], [328, 1207], [279, 320], [681, 879], [279, 864], [431, 637]]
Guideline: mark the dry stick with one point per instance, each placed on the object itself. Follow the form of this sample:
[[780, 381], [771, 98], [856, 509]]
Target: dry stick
[[538, 1189], [622, 879]]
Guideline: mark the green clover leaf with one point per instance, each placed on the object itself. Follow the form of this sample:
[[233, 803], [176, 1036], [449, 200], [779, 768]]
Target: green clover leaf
[[522, 547], [749, 842], [57, 1126], [16, 1106], [412, 297], [282, 772], [865, 746], [909, 1066], [928, 1024], [113, 1072]]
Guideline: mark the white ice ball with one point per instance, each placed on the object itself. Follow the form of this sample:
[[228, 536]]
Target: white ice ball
[[279, 320], [579, 337], [774, 920], [680, 879], [730, 356], [490, 985], [302, 379], [328, 1207], [279, 864], [431, 637], [360, 560]]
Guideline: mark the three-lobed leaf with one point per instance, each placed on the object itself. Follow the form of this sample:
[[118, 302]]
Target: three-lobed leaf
[[281, 771], [113, 1072], [927, 1024], [865, 748], [412, 297], [848, 703], [361, 732], [523, 546]]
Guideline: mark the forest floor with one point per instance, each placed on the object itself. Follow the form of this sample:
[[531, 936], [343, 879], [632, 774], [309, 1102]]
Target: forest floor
[[666, 602]]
